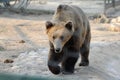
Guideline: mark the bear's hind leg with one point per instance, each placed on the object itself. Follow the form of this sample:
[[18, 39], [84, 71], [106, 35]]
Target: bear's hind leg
[[68, 65], [84, 58], [84, 50]]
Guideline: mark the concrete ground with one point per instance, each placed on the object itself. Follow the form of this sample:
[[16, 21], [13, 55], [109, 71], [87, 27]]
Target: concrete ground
[[23, 40]]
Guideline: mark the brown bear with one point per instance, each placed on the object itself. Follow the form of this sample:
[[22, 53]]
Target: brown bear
[[69, 35]]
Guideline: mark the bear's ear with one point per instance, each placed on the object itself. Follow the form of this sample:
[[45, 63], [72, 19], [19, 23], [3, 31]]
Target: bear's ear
[[69, 26], [48, 24]]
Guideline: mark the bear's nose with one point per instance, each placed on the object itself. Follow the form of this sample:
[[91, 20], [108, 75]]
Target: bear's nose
[[57, 50]]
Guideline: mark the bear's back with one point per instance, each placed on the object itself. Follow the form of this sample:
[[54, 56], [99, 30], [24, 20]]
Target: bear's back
[[65, 13]]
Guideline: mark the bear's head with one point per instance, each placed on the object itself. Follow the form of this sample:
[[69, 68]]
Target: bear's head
[[59, 34]]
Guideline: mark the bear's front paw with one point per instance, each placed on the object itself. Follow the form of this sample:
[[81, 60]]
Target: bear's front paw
[[54, 69], [84, 63]]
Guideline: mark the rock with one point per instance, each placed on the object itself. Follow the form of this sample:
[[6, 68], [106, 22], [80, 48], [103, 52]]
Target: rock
[[115, 24], [21, 41], [101, 19], [113, 20], [114, 27], [118, 19], [8, 61], [104, 19]]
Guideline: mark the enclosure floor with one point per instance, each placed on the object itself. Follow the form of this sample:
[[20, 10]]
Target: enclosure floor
[[30, 57]]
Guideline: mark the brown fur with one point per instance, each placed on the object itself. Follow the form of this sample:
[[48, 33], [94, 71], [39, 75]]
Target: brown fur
[[58, 31], [71, 23]]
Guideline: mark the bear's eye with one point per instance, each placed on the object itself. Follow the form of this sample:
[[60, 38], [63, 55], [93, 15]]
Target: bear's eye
[[53, 37], [62, 37]]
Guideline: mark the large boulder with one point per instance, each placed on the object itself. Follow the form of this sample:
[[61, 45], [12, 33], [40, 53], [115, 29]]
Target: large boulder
[[115, 24], [114, 27]]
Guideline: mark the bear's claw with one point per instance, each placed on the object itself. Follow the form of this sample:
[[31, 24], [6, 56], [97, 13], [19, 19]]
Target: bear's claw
[[84, 64]]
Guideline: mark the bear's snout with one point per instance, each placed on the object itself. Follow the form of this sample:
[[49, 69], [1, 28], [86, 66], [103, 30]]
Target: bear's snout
[[57, 50]]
